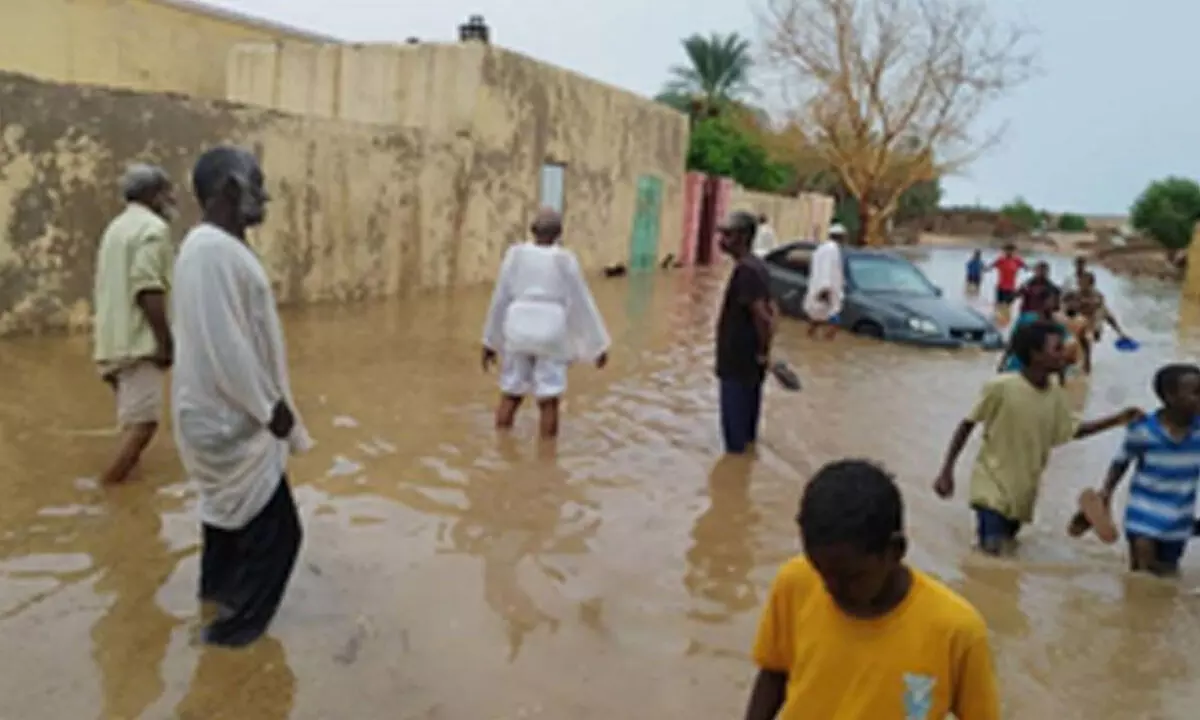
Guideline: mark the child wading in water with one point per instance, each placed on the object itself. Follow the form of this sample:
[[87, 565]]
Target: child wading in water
[[850, 632], [1164, 450], [1025, 415], [542, 318], [975, 269]]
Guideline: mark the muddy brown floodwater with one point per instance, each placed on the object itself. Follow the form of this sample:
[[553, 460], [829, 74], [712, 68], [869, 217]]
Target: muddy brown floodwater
[[450, 574]]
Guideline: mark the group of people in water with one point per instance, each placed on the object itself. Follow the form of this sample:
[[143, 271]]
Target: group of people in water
[[849, 632], [1077, 307]]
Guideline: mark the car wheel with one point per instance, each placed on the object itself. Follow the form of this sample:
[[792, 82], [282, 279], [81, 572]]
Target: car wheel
[[868, 328]]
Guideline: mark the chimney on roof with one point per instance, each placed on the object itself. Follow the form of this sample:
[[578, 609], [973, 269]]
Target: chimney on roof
[[474, 29]]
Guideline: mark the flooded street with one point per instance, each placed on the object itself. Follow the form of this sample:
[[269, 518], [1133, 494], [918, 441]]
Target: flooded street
[[450, 574]]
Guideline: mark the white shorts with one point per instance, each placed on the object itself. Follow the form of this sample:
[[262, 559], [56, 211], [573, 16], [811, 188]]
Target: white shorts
[[522, 375], [139, 394], [818, 311]]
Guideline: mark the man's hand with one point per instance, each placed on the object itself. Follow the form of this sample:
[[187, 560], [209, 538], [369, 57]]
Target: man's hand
[[487, 359], [165, 357], [282, 421], [944, 485], [602, 361]]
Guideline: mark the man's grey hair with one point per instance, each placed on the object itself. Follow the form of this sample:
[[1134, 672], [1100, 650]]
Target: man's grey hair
[[142, 178]]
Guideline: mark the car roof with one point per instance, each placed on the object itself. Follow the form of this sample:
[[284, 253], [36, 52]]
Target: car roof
[[847, 252]]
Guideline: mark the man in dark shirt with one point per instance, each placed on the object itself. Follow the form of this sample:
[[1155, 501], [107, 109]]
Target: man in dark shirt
[[744, 334], [1036, 292]]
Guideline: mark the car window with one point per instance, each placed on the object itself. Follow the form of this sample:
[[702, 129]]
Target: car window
[[884, 274], [796, 260]]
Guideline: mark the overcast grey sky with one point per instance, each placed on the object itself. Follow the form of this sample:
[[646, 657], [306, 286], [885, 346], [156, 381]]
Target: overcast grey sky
[[1116, 107]]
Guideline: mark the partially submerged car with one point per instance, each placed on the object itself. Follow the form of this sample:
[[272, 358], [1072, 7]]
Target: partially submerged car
[[886, 297]]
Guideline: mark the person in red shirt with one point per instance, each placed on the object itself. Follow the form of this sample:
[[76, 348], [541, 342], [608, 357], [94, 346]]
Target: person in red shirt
[[1007, 267]]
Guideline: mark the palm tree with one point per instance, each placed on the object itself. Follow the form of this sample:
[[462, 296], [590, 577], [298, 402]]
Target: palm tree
[[717, 73]]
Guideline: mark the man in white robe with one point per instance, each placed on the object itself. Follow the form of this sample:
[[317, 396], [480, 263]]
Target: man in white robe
[[826, 284], [764, 240], [234, 417], [542, 318]]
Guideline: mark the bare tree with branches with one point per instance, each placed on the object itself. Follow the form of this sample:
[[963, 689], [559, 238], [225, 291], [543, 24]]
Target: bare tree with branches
[[891, 92]]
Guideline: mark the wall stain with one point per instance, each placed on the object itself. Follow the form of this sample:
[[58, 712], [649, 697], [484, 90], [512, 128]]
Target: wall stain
[[362, 208]]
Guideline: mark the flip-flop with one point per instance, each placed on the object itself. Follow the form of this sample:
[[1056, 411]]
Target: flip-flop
[[786, 376], [1126, 344], [1093, 509], [1079, 525]]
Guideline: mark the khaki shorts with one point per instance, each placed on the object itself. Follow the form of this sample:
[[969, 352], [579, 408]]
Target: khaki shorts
[[139, 394]]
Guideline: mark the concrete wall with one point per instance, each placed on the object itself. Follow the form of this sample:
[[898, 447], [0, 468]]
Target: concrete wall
[[804, 217], [504, 115], [152, 45], [354, 215]]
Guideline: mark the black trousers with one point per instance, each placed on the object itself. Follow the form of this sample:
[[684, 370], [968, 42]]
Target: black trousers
[[245, 572]]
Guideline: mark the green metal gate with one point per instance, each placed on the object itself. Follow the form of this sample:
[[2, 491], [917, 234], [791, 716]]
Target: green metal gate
[[643, 251]]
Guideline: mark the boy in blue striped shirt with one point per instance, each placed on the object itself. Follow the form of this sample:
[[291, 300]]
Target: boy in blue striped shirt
[[1164, 449]]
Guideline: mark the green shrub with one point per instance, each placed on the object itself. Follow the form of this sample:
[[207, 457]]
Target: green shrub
[[1167, 211], [1070, 222], [1023, 216]]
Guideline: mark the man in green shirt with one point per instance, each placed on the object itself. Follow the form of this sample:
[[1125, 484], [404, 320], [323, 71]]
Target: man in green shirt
[[132, 337]]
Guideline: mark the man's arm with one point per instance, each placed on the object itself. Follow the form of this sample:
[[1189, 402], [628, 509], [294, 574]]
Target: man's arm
[[149, 276], [1108, 422], [1112, 479], [764, 325], [753, 292], [1112, 320], [985, 409], [976, 696], [768, 695], [493, 325], [153, 304]]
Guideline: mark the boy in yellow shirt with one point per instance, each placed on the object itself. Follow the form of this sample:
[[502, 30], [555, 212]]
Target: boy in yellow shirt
[[850, 632]]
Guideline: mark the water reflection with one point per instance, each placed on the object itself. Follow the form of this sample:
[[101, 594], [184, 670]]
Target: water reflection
[[521, 509], [618, 576], [129, 642], [253, 683], [721, 557]]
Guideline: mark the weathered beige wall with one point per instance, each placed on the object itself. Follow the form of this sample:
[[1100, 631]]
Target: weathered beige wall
[[351, 217], [153, 45], [804, 217], [502, 115]]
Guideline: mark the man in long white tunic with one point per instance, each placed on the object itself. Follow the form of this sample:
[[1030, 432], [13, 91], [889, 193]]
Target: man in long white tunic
[[234, 417], [826, 284], [542, 318]]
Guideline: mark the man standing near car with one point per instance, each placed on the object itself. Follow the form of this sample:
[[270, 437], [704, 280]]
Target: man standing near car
[[826, 285], [744, 332]]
